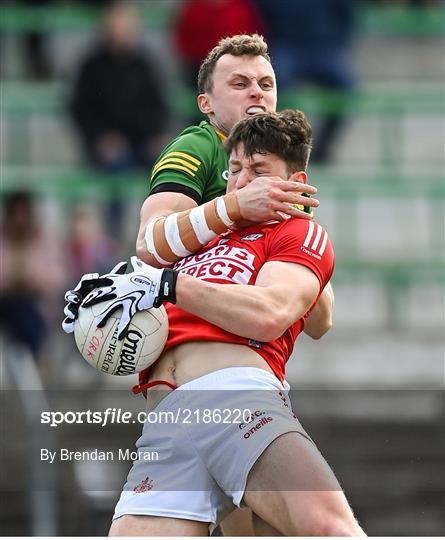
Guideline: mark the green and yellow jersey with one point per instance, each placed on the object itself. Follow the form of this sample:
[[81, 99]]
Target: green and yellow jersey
[[195, 163]]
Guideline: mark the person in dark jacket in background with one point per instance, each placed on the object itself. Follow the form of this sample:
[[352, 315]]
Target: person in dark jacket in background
[[118, 102], [310, 43]]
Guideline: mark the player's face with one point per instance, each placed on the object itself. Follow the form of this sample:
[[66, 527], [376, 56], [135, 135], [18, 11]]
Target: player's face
[[243, 169], [242, 85]]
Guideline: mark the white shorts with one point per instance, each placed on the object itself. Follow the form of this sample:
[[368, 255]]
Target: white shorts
[[209, 435]]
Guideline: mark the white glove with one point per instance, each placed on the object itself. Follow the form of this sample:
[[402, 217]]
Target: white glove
[[144, 288], [76, 296]]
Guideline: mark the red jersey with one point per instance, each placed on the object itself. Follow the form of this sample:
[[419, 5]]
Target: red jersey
[[237, 257]]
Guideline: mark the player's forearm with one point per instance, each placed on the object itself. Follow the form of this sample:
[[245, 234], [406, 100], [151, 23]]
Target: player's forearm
[[159, 205], [249, 311], [320, 320], [174, 227], [142, 251], [151, 209]]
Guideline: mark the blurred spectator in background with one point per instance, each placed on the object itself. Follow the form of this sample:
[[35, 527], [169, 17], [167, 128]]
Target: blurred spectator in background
[[37, 59], [118, 101], [31, 281], [310, 43], [36, 42], [89, 246], [200, 24]]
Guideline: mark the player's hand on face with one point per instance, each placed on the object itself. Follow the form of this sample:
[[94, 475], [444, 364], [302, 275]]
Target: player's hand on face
[[268, 197], [144, 288], [76, 296]]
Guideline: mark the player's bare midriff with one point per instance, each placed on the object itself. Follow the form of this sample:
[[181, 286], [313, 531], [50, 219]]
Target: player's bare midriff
[[189, 361]]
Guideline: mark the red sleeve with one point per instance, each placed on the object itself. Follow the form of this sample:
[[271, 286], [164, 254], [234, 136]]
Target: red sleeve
[[303, 242]]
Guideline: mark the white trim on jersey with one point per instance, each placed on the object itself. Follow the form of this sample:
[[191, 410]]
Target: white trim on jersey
[[309, 234], [320, 234], [317, 237], [323, 244]]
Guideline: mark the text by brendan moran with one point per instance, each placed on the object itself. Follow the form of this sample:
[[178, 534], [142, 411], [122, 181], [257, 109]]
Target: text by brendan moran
[[93, 454]]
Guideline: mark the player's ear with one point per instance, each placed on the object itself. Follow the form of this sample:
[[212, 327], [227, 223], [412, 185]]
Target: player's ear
[[299, 176], [204, 104]]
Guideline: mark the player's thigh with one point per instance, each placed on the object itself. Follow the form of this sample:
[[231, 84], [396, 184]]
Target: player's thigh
[[261, 528], [291, 487], [238, 523], [129, 525], [243, 522]]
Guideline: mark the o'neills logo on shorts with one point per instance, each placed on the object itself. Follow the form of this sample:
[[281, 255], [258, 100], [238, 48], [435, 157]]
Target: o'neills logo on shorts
[[255, 415], [127, 356], [144, 486]]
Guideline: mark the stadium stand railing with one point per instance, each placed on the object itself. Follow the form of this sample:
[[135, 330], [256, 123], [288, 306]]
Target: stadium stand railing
[[376, 20]]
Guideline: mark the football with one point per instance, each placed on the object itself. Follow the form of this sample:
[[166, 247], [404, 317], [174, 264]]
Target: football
[[140, 348]]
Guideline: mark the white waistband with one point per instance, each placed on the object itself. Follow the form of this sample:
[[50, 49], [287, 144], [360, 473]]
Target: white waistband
[[235, 378]]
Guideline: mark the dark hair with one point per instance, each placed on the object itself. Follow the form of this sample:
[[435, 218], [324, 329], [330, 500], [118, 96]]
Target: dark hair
[[252, 45], [287, 134]]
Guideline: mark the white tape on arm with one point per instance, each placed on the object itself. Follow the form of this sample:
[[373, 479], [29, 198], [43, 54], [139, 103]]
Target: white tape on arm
[[171, 231], [149, 240], [199, 224], [222, 212]]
